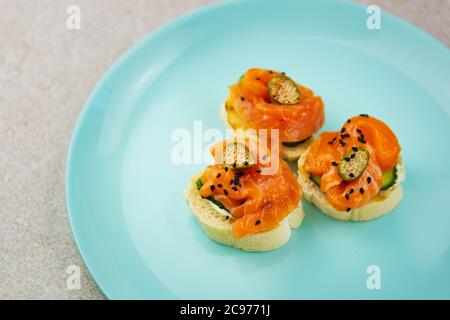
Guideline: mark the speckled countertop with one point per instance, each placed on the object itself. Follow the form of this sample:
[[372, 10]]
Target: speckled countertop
[[46, 73]]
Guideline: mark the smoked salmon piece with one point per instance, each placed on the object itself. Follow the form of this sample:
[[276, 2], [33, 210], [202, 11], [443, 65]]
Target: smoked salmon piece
[[249, 105], [257, 202], [331, 148]]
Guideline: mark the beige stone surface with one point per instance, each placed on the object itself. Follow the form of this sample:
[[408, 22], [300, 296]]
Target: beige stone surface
[[46, 73]]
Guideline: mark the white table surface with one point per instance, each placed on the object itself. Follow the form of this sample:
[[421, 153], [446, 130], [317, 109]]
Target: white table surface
[[46, 73]]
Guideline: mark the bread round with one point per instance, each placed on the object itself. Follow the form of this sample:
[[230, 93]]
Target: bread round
[[219, 229], [383, 203], [287, 153]]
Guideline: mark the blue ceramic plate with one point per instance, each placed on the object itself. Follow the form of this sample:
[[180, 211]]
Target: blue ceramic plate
[[125, 195]]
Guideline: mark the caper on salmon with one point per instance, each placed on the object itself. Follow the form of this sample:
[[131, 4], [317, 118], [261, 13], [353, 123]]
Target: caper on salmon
[[353, 164], [283, 90], [237, 156]]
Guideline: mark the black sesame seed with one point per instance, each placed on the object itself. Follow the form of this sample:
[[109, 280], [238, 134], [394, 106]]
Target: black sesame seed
[[242, 99], [334, 164], [330, 142], [346, 135], [348, 209], [351, 175], [212, 187], [245, 163], [243, 201], [234, 165], [258, 79], [348, 121], [347, 196], [361, 190], [341, 141], [270, 71], [351, 190], [369, 180], [353, 156], [355, 149], [226, 169], [231, 181], [218, 175], [358, 130], [225, 192], [342, 136], [334, 139], [347, 159], [234, 188], [343, 130], [257, 222], [219, 185], [258, 171], [227, 217]]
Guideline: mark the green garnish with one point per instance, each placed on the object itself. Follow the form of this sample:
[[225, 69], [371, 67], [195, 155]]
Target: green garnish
[[316, 179], [388, 179], [217, 203], [199, 183]]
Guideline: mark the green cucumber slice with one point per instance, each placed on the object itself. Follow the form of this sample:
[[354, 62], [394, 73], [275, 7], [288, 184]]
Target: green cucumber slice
[[316, 179], [199, 184], [217, 203], [388, 179]]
